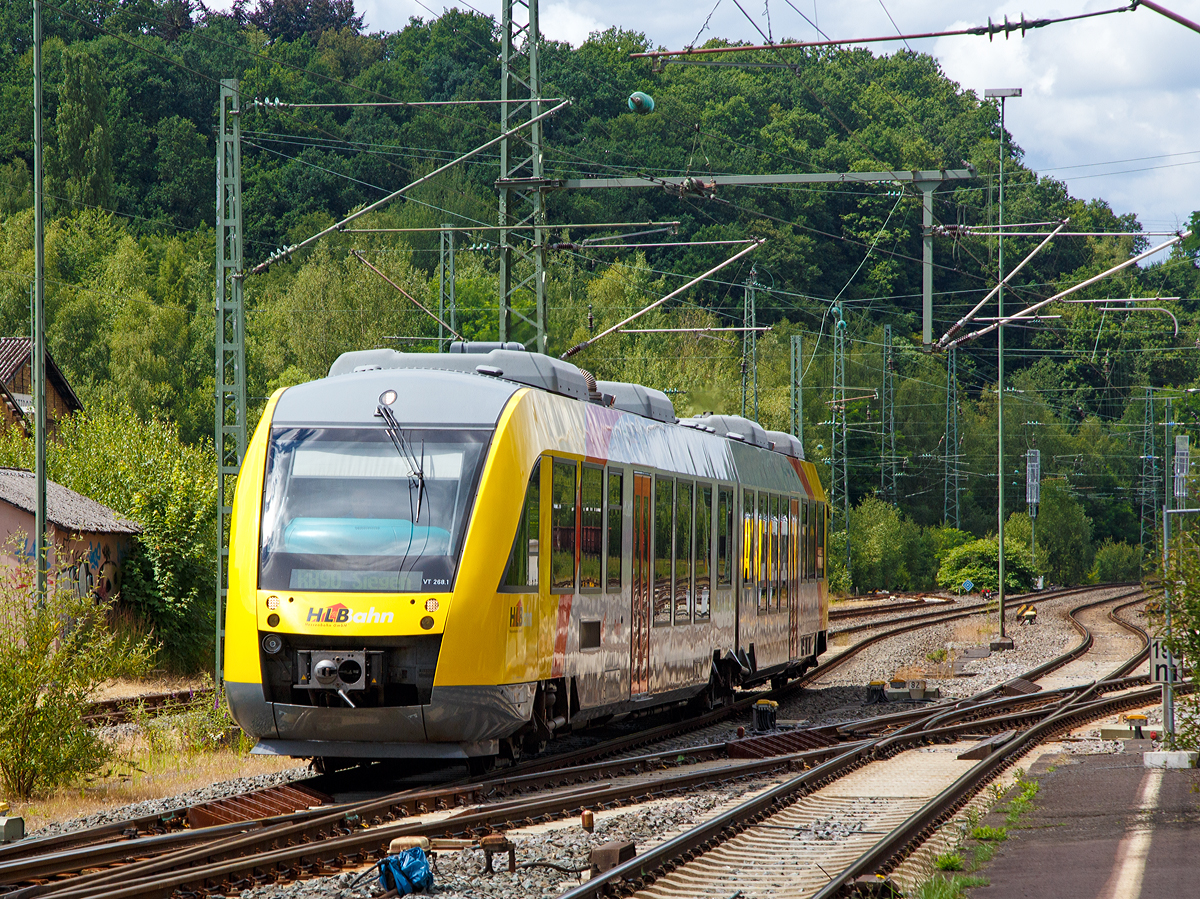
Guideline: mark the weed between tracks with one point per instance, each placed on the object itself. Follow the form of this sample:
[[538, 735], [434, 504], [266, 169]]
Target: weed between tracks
[[976, 843]]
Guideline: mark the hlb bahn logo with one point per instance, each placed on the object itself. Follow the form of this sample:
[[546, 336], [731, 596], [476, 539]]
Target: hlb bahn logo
[[343, 614]]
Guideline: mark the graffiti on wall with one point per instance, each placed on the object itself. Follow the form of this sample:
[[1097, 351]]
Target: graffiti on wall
[[95, 571]]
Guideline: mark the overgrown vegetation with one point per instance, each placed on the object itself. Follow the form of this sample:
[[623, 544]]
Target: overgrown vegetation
[[58, 650], [141, 469]]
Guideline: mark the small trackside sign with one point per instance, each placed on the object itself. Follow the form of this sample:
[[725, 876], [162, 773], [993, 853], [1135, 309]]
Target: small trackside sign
[[1163, 668]]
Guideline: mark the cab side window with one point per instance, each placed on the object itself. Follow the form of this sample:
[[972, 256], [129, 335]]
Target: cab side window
[[521, 574]]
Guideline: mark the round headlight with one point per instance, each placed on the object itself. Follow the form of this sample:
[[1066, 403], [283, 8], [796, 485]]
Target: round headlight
[[272, 620], [426, 622], [387, 397], [431, 605], [272, 643]]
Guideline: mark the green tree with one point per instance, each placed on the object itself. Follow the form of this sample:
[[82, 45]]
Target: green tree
[[1117, 562], [979, 563], [1064, 534], [79, 164]]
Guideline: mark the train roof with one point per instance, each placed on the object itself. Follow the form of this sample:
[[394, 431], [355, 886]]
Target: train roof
[[498, 370]]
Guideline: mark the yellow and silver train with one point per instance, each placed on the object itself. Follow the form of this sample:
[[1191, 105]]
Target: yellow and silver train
[[461, 555]]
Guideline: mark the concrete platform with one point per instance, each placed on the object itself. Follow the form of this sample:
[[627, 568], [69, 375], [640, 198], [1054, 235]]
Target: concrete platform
[[1102, 827]]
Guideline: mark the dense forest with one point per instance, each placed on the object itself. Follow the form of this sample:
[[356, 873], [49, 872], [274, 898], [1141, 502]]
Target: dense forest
[[131, 104]]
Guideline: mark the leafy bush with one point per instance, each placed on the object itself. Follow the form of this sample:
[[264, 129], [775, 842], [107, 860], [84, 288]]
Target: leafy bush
[[979, 562], [145, 473], [57, 651], [1117, 562]]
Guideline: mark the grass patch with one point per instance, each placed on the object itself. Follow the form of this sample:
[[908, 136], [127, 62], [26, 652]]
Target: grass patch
[[950, 861], [938, 656], [953, 887], [1022, 804], [989, 834]]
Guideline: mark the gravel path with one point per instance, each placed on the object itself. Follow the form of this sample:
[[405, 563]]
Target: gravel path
[[838, 697]]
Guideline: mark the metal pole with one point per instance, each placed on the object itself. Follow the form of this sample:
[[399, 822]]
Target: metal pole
[[1168, 693], [798, 388], [230, 344], [927, 188], [1000, 383], [754, 336], [38, 347]]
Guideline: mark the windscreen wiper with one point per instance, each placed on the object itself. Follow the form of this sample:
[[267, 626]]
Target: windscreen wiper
[[416, 474]]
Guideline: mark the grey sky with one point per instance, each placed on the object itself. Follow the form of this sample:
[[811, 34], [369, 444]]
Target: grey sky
[[1110, 104]]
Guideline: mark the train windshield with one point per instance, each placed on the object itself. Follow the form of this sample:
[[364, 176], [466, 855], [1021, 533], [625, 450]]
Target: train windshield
[[345, 510]]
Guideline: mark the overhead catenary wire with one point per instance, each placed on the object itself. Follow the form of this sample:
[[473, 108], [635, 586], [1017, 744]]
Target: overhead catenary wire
[[754, 245], [359, 256], [990, 31]]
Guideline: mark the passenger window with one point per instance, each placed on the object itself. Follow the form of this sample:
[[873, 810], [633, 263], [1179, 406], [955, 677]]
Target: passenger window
[[803, 540], [776, 553], [724, 537], [591, 527], [683, 552], [704, 497], [563, 522], [615, 496], [820, 540], [664, 531], [764, 552], [749, 547], [522, 569]]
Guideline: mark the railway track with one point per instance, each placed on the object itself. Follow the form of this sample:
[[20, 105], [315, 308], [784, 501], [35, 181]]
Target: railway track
[[117, 711], [314, 841]]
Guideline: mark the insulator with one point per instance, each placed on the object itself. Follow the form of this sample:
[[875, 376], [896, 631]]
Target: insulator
[[641, 102]]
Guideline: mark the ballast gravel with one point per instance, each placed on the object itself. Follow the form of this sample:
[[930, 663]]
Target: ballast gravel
[[838, 697]]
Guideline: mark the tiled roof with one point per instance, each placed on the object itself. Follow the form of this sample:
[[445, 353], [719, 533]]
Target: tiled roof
[[15, 352], [65, 508]]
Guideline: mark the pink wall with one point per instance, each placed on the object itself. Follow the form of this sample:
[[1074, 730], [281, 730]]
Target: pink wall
[[91, 560]]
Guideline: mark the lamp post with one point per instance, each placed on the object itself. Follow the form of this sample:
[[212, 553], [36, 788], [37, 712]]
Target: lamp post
[[1001, 93]]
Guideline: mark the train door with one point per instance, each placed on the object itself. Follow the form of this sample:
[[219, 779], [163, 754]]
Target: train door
[[643, 585], [793, 535]]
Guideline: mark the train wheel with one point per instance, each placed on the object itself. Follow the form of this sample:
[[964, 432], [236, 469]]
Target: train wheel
[[480, 765]]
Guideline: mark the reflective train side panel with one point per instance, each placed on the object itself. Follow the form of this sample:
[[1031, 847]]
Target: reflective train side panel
[[502, 565]]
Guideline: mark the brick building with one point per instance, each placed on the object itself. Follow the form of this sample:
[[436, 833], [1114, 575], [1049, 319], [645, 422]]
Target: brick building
[[16, 386]]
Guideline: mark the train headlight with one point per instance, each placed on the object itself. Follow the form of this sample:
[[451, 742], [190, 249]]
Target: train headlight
[[387, 397], [272, 620], [431, 605], [272, 603], [272, 643]]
